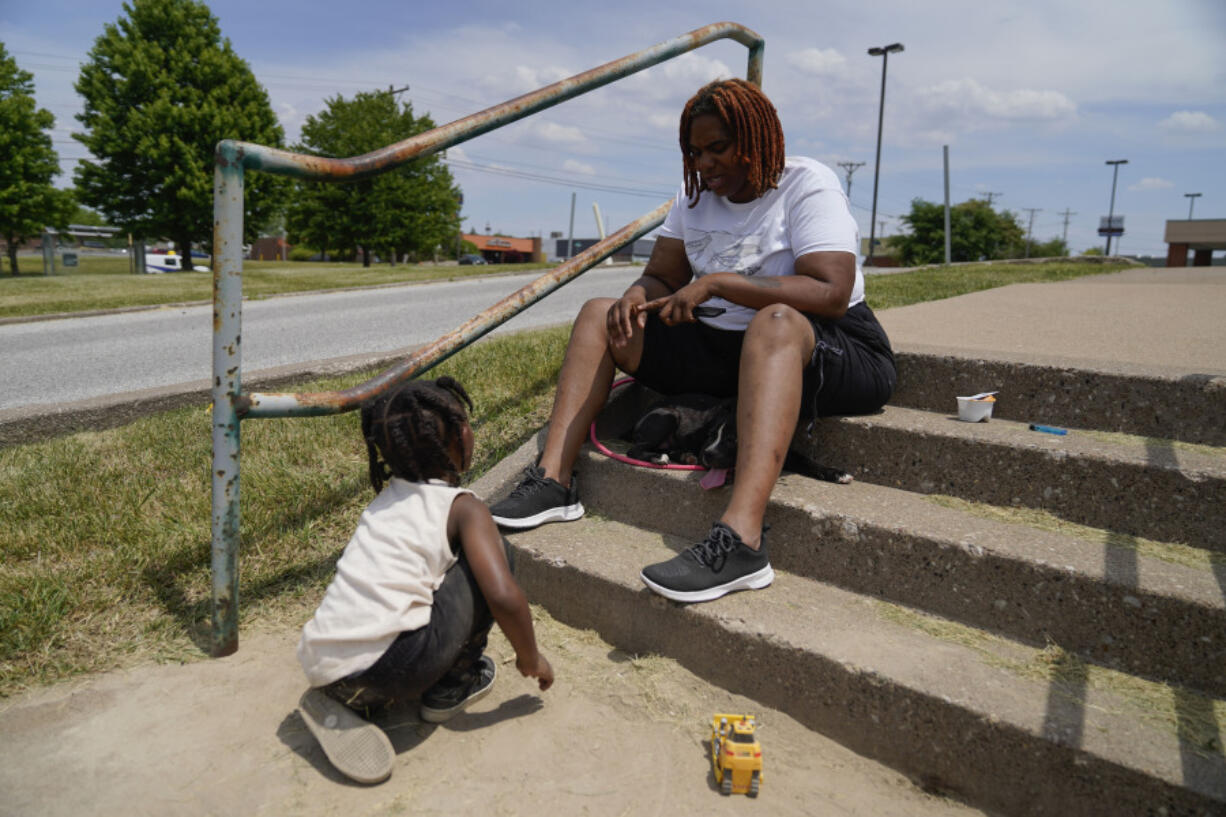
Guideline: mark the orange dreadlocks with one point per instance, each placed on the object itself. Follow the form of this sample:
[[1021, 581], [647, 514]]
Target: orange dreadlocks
[[754, 125]]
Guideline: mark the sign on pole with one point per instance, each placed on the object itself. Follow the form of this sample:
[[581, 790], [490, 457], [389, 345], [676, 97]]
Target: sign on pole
[[1111, 225]]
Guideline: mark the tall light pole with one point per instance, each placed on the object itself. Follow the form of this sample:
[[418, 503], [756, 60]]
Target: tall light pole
[[1191, 200], [1115, 174], [883, 52]]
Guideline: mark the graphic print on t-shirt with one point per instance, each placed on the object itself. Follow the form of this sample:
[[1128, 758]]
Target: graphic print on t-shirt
[[720, 251]]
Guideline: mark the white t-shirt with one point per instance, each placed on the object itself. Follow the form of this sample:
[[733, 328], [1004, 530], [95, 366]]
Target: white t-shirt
[[807, 212], [385, 580]]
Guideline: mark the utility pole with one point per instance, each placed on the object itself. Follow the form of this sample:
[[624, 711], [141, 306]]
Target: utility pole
[[1191, 200], [393, 90], [883, 52], [991, 196], [850, 167], [570, 236], [1032, 211], [1067, 212]]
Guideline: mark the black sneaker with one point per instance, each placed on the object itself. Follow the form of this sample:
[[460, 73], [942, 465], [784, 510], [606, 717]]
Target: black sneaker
[[444, 701], [712, 568], [537, 500]]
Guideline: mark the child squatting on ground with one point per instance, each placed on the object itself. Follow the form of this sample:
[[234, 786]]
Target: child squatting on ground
[[416, 590]]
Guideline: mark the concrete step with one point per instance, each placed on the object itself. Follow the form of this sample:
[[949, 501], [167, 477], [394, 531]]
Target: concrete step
[[983, 608], [1063, 392], [1156, 489], [1136, 486], [1154, 610], [1005, 726]]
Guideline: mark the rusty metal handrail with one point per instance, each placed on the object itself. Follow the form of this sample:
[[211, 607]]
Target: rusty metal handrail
[[231, 406]]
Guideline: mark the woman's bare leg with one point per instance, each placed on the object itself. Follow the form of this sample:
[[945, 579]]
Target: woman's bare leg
[[778, 344], [583, 386]]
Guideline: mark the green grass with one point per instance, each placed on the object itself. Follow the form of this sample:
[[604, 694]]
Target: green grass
[[104, 560], [103, 282], [105, 557]]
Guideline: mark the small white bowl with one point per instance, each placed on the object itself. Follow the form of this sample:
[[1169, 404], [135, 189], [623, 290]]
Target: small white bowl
[[976, 409]]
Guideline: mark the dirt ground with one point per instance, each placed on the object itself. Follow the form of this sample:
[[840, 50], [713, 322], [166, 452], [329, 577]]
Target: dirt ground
[[616, 735]]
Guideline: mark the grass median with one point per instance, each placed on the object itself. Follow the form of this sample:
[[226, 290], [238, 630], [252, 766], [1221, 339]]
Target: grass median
[[103, 282], [105, 558]]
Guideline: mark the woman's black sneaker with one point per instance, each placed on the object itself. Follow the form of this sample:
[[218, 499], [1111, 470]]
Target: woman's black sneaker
[[712, 568], [537, 500], [446, 699]]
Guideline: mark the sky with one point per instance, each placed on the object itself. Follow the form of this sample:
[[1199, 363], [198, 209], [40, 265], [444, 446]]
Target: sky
[[1031, 98]]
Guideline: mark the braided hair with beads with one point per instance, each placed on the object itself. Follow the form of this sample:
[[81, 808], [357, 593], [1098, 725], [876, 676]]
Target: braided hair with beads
[[752, 121], [411, 431]]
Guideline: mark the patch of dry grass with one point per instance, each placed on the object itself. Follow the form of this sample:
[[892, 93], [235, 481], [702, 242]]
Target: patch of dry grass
[[1193, 717], [1170, 552]]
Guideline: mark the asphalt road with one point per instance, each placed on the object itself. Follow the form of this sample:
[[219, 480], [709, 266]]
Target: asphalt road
[[58, 361]]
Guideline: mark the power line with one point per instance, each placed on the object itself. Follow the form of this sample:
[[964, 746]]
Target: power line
[[565, 182], [991, 196]]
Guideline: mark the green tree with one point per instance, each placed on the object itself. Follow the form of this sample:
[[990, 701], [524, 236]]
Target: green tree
[[976, 232], [28, 200], [161, 89], [1055, 248], [406, 211]]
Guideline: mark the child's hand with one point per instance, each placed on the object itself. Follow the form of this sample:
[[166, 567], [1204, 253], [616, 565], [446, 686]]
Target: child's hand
[[536, 668]]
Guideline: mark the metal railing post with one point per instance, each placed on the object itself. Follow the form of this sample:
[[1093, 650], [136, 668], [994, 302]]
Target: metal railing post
[[233, 159], [227, 360]]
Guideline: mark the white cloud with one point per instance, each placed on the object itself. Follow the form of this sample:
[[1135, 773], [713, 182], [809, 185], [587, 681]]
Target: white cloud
[[574, 166], [1190, 122], [1151, 183], [567, 135], [967, 97], [815, 61]]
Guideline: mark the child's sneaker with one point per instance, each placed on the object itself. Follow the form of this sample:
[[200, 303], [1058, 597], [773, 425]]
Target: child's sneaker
[[537, 500], [712, 568], [443, 701], [357, 748]]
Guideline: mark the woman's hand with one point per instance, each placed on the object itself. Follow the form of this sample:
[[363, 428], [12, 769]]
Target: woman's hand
[[535, 667], [679, 306], [625, 317]]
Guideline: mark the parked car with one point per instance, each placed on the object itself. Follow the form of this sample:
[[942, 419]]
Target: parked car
[[472, 259]]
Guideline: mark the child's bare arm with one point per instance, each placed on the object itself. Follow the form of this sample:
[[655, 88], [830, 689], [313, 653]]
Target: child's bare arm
[[471, 524]]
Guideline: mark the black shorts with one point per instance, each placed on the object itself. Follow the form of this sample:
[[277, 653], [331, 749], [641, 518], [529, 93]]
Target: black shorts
[[851, 371]]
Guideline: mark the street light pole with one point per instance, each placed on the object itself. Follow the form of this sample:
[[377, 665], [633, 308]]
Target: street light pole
[[883, 52], [1115, 174], [1191, 200]]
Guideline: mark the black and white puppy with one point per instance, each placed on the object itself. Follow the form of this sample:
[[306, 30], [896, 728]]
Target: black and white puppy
[[678, 428], [699, 429]]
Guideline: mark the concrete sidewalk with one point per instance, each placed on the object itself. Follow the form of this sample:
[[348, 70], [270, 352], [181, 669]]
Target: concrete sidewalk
[[1171, 321]]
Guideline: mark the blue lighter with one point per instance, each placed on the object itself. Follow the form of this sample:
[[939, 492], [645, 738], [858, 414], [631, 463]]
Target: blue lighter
[[1048, 429]]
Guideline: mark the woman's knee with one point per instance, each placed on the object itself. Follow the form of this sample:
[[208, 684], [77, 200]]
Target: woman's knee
[[591, 322], [595, 309], [779, 326]]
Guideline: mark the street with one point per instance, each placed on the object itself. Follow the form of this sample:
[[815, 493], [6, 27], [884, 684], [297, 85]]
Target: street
[[58, 361]]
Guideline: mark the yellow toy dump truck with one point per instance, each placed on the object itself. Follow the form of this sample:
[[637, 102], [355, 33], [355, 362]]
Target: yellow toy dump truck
[[736, 754]]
